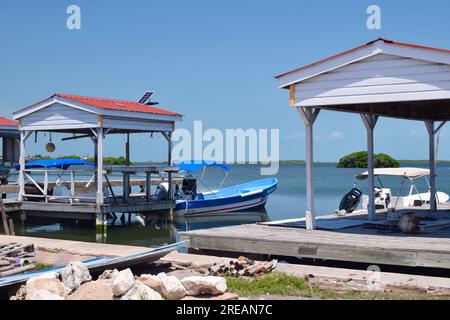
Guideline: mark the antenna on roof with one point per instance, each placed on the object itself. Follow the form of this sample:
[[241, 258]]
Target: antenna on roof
[[146, 99]]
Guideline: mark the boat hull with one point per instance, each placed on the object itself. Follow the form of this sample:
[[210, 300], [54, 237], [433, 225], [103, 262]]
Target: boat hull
[[230, 203]]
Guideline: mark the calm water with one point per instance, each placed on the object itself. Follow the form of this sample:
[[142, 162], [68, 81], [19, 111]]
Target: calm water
[[287, 202]]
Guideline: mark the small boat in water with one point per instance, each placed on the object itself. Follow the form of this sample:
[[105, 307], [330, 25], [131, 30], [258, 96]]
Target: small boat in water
[[384, 199], [190, 202]]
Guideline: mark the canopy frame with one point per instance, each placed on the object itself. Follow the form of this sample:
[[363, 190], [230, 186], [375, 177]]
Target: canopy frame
[[381, 78]]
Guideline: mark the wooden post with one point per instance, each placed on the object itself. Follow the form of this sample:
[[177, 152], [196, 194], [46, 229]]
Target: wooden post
[[46, 185], [148, 185], [100, 199], [4, 217], [309, 116], [127, 150], [4, 150], [169, 162], [432, 157], [21, 178], [100, 220], [126, 186], [370, 121], [12, 232]]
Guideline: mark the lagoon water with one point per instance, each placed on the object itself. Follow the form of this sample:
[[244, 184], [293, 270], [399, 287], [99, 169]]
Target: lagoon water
[[287, 202]]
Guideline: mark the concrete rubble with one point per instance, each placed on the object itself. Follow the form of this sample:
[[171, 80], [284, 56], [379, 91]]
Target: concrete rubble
[[74, 275], [196, 285], [75, 283], [172, 288], [122, 282]]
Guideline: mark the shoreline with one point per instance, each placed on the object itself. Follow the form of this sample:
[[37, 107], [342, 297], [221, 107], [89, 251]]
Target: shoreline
[[337, 280]]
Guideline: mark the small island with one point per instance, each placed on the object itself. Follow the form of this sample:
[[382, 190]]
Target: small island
[[359, 160]]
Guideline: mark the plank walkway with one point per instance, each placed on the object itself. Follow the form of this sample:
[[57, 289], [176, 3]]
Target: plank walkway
[[76, 247], [354, 244]]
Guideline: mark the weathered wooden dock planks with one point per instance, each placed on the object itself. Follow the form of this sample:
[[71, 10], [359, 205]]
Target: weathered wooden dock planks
[[353, 245]]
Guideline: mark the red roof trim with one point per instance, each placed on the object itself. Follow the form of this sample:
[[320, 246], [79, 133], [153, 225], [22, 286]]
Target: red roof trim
[[417, 46], [360, 47], [7, 123], [115, 104]]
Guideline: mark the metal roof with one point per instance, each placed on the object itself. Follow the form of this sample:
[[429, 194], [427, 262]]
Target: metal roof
[[391, 42]]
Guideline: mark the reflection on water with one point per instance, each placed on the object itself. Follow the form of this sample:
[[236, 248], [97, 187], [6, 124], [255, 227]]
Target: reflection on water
[[156, 232], [289, 201]]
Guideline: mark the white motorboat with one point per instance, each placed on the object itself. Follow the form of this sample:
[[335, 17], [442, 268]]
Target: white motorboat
[[384, 199]]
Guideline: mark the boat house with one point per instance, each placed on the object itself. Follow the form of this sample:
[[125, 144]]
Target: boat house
[[82, 117], [10, 136], [381, 78]]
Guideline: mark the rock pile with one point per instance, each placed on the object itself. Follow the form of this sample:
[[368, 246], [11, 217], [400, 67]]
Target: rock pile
[[243, 267], [75, 283]]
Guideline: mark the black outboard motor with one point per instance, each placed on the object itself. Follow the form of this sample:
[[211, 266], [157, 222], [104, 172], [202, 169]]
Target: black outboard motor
[[351, 200], [189, 187]]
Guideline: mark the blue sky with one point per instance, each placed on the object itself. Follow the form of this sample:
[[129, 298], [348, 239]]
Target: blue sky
[[210, 60]]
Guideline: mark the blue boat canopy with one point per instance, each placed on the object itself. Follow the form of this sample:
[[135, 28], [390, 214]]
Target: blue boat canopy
[[194, 165], [62, 164]]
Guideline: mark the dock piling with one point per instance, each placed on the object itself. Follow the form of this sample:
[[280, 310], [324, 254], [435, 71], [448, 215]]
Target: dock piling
[[4, 217]]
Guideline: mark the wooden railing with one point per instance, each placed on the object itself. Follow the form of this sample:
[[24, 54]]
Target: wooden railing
[[43, 187]]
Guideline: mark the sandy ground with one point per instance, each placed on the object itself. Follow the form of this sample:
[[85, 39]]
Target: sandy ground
[[60, 252]]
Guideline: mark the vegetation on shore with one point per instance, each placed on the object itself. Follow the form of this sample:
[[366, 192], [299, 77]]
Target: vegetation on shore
[[39, 266], [282, 284], [360, 160], [106, 160], [354, 160]]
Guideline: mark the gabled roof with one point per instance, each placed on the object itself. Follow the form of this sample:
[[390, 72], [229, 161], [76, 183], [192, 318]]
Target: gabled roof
[[367, 50], [118, 105], [112, 105], [7, 123]]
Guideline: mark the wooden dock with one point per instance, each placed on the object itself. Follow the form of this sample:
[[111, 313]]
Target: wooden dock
[[358, 244], [87, 211], [83, 211]]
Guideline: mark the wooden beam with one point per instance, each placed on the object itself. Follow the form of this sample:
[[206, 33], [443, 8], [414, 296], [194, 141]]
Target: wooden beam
[[77, 137], [100, 121], [292, 95]]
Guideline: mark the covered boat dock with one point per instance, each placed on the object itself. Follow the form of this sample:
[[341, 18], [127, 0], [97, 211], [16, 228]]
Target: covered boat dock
[[382, 78], [9, 133], [81, 117]]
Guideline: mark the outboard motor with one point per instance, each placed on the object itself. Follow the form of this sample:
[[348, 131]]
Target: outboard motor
[[189, 187], [351, 200], [162, 192]]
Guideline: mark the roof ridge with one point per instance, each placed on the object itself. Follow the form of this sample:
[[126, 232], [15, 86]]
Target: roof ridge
[[124, 105], [97, 98], [387, 41]]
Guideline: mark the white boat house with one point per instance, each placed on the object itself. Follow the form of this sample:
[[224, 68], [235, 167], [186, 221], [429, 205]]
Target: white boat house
[[382, 78], [96, 119], [10, 136]]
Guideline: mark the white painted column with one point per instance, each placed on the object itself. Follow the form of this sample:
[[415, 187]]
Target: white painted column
[[100, 199], [309, 116], [24, 135], [22, 165], [370, 121], [169, 163], [432, 159]]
